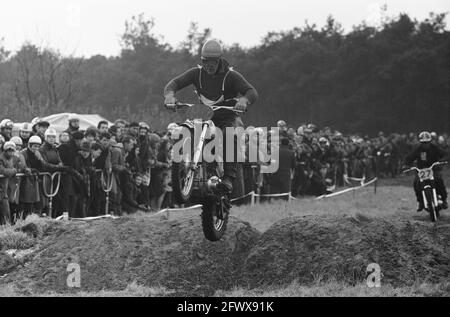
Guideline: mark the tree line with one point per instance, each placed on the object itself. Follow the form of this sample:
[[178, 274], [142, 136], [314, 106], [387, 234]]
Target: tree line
[[394, 77]]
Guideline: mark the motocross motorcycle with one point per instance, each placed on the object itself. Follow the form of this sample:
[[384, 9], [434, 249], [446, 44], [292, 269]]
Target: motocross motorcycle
[[431, 200], [194, 180]]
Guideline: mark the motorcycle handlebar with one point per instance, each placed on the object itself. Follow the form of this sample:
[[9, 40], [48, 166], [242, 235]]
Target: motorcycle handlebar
[[417, 169], [222, 105]]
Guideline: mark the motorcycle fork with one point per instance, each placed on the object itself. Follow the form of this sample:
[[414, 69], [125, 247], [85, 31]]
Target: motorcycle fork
[[199, 150]]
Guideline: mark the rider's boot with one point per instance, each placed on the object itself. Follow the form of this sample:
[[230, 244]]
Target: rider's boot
[[421, 207], [225, 186]]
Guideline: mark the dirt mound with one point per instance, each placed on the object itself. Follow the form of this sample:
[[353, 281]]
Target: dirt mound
[[174, 255], [115, 253], [341, 247]]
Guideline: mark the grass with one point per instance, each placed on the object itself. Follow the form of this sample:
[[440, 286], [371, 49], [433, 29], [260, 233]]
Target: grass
[[339, 289], [12, 238], [389, 201], [132, 290]]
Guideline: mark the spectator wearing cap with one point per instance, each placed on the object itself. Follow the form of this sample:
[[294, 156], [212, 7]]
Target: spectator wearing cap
[[101, 157], [8, 171], [74, 125], [145, 157], [41, 127], [6, 126], [67, 153], [134, 130], [83, 171]]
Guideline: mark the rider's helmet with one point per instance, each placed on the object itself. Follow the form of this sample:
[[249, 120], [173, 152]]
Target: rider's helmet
[[212, 49], [425, 136]]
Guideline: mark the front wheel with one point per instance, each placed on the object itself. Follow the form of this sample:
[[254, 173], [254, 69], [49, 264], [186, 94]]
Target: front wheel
[[434, 213], [215, 219], [182, 182]]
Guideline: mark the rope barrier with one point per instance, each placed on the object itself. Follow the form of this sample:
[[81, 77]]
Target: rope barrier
[[94, 218], [348, 189]]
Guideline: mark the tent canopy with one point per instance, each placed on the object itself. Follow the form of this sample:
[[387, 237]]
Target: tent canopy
[[60, 121]]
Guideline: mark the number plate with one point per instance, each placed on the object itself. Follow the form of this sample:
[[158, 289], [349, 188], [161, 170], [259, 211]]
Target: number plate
[[425, 174]]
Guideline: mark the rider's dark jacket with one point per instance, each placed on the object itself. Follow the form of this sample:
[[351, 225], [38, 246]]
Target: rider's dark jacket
[[425, 157], [225, 84]]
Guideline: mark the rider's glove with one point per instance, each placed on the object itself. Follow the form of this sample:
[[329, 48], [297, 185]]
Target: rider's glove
[[170, 100], [242, 104]]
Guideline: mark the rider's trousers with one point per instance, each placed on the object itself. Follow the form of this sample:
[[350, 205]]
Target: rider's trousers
[[230, 168]]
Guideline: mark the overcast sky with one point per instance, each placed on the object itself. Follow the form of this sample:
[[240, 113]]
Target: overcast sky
[[87, 27]]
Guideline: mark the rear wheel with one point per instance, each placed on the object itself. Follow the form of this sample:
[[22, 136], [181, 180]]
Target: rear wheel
[[215, 219]]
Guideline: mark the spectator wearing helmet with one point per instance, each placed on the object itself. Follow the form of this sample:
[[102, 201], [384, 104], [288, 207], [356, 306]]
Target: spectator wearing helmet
[[425, 155], [25, 132], [6, 127], [8, 170], [13, 184], [50, 155], [18, 142], [281, 124], [29, 186]]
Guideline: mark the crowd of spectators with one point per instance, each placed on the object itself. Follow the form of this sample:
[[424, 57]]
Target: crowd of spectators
[[315, 160], [138, 160]]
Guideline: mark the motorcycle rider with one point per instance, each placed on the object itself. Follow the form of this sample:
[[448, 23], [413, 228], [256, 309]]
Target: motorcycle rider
[[426, 154], [214, 82]]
